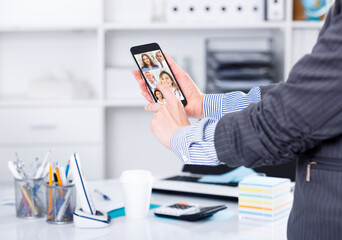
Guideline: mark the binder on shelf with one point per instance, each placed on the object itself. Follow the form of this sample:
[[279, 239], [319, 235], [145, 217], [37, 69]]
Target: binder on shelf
[[275, 10], [175, 10], [217, 11]]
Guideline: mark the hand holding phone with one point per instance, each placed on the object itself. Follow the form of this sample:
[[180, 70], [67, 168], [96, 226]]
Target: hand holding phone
[[169, 117], [194, 96]]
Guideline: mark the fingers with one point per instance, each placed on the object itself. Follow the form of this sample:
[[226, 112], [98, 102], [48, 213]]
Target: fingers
[[175, 69], [153, 107], [147, 96], [137, 75], [142, 85], [139, 79], [167, 93]]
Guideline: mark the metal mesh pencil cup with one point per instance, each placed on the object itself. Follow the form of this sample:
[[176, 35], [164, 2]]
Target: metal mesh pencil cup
[[30, 198], [60, 202]]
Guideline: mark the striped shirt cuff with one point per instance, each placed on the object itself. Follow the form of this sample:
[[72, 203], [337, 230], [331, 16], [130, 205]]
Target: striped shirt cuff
[[195, 144], [179, 144], [202, 148]]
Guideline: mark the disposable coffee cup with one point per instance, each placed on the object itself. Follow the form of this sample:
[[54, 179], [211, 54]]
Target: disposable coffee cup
[[137, 189]]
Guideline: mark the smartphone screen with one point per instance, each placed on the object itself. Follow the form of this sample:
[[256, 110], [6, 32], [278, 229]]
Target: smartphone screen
[[155, 69]]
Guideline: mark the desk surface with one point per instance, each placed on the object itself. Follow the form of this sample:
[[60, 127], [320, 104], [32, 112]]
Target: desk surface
[[223, 225]]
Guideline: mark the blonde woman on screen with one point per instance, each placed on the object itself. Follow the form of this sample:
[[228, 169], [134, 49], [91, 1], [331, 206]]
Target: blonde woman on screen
[[166, 79]]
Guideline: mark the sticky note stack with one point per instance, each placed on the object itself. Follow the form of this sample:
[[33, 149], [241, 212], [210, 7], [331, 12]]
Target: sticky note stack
[[267, 198]]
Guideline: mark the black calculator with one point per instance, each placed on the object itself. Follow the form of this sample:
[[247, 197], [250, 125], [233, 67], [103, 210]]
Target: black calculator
[[188, 212]]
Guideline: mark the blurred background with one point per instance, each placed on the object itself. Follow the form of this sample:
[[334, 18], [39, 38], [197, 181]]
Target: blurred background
[[65, 70]]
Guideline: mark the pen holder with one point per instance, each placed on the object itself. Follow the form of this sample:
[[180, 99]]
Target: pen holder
[[29, 198], [60, 201]]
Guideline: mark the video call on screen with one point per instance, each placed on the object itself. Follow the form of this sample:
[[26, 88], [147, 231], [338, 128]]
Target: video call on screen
[[156, 70]]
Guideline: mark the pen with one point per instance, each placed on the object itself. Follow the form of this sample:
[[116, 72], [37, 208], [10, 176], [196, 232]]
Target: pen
[[64, 181], [57, 206], [62, 175], [67, 169], [41, 168], [35, 167], [105, 197], [64, 206], [46, 171]]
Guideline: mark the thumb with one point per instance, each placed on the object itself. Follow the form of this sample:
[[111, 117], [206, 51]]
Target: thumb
[[153, 107], [137, 74]]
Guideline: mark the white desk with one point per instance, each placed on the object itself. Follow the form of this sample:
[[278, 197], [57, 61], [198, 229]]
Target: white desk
[[224, 225]]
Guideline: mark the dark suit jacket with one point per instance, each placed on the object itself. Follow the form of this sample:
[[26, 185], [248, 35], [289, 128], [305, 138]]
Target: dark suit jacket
[[301, 120]]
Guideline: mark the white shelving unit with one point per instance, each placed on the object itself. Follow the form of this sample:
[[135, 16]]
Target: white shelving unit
[[123, 139]]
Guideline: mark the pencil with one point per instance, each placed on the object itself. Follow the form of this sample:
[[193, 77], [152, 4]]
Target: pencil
[[50, 191], [25, 204], [59, 180], [28, 199]]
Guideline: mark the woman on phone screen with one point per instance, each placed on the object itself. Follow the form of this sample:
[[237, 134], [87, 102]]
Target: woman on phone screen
[[166, 79], [159, 96], [148, 63]]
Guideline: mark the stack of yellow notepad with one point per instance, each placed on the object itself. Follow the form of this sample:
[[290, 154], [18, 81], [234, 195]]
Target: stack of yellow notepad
[[266, 198]]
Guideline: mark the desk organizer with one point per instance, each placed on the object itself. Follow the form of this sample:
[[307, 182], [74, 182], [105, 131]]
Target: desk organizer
[[29, 198], [266, 198], [61, 201]]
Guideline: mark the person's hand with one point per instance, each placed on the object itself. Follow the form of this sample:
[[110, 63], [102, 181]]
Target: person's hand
[[193, 95], [167, 118]]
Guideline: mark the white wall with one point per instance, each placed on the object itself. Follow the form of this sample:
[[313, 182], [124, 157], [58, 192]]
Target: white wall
[[131, 145]]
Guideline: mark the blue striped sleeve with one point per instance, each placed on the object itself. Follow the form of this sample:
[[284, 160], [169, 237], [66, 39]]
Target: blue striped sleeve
[[217, 105], [195, 144], [212, 105]]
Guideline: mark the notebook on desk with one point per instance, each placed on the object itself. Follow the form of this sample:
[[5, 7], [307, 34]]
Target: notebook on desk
[[188, 181]]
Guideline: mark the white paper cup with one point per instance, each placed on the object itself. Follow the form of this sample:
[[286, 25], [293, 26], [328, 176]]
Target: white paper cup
[[137, 188]]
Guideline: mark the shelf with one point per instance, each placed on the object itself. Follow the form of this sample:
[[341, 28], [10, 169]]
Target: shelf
[[68, 104], [192, 26], [49, 29], [167, 26], [124, 103], [307, 24], [38, 104]]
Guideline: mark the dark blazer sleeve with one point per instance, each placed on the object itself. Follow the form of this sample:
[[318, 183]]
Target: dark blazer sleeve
[[265, 89], [293, 116]]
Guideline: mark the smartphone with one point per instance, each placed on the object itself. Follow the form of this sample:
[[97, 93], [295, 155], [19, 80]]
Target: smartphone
[[155, 69]]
